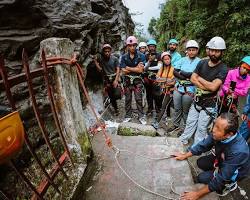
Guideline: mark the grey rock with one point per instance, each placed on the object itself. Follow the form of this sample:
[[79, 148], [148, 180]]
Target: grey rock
[[88, 23]]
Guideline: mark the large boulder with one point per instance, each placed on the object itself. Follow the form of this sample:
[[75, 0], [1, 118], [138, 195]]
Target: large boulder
[[88, 23]]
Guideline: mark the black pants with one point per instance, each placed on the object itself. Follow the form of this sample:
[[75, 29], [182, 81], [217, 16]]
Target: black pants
[[164, 104], [206, 163], [113, 102], [137, 89]]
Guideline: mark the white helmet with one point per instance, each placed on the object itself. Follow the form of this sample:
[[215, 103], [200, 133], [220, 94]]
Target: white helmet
[[192, 43], [207, 45], [217, 43], [142, 44]]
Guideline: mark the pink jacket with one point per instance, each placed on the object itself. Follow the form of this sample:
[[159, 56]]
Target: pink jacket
[[242, 85]]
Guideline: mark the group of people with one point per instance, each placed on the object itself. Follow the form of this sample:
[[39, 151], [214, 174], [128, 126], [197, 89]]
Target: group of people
[[202, 92]]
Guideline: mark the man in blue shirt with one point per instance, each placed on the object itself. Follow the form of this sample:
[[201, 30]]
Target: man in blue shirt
[[230, 163], [132, 65], [185, 89], [172, 46]]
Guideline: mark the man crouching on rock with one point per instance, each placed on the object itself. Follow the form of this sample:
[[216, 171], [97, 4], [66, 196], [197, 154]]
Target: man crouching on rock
[[230, 163]]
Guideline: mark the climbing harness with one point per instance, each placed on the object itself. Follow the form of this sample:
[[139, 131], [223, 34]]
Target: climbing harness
[[110, 77], [199, 92], [131, 80], [184, 84]]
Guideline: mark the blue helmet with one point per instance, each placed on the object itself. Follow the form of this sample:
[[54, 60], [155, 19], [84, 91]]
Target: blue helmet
[[173, 41], [246, 60], [151, 42]]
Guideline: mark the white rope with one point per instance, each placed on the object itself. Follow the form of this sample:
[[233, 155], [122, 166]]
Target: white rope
[[192, 166], [144, 156], [131, 179]]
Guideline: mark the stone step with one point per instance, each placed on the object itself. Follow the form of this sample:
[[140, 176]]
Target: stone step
[[110, 183]]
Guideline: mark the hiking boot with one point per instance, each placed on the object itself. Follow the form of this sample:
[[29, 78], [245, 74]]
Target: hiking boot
[[229, 188], [143, 120], [127, 119], [155, 125]]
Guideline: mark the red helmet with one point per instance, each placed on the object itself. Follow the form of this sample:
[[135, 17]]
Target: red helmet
[[106, 46], [131, 40]]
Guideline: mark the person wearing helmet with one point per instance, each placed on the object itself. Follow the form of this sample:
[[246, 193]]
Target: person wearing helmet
[[152, 66], [172, 46], [184, 88], [207, 77], [132, 65], [236, 85], [109, 66], [207, 51], [142, 47], [165, 81]]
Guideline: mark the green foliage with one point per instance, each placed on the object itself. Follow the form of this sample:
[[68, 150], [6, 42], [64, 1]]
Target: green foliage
[[203, 19]]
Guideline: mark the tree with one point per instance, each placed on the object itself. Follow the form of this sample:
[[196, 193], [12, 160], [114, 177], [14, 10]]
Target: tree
[[152, 27], [201, 20]]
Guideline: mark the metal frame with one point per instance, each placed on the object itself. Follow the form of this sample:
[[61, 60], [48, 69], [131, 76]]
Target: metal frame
[[6, 84]]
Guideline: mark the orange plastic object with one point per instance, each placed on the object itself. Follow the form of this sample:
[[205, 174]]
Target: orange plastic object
[[11, 136]]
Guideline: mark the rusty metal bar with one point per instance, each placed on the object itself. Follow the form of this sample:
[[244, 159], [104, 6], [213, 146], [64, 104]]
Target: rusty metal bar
[[53, 108], [28, 143], [36, 111], [55, 169], [26, 180], [6, 83], [26, 139], [20, 78]]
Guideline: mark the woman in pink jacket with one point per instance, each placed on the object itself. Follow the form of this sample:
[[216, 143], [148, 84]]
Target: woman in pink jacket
[[237, 84]]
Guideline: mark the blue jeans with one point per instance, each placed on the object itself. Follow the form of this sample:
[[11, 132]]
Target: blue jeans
[[197, 123]]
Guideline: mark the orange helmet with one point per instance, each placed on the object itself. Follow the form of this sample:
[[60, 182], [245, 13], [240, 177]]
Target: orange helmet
[[11, 136]]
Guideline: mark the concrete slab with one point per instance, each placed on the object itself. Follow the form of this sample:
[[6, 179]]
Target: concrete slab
[[111, 184]]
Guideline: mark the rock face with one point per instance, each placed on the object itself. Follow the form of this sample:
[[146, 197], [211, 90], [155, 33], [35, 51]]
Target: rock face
[[88, 23]]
